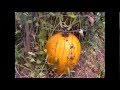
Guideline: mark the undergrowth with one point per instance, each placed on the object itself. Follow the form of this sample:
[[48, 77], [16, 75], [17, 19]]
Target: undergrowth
[[33, 29]]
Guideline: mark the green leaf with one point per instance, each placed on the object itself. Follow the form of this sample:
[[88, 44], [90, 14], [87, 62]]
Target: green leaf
[[29, 21], [27, 64], [38, 61], [36, 24], [25, 13], [41, 41], [32, 74], [41, 74], [69, 27], [34, 18], [16, 62], [52, 14], [41, 52], [17, 32], [32, 60], [71, 15]]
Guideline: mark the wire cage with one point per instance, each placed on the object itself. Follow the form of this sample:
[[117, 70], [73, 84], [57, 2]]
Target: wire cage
[[75, 38]]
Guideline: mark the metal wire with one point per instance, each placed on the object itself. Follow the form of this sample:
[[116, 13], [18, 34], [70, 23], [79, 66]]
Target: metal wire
[[69, 30]]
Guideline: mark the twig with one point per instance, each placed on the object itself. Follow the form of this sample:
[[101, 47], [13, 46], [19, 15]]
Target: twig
[[78, 73], [60, 75], [24, 75], [69, 31], [86, 74], [44, 63], [17, 71], [68, 72], [24, 67]]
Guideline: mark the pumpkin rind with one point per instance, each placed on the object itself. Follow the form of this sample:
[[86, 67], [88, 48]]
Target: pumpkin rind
[[63, 52]]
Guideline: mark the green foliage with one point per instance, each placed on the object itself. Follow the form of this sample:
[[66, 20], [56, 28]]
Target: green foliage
[[18, 54]]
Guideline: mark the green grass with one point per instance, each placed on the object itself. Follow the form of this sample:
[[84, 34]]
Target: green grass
[[45, 24]]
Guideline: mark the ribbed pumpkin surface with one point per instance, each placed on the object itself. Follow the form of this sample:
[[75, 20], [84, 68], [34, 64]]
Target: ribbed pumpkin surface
[[63, 52]]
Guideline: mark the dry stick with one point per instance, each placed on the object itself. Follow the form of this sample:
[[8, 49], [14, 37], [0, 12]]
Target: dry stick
[[86, 74], [60, 75], [66, 20], [68, 72], [24, 67], [17, 71], [24, 75], [70, 31], [54, 28], [98, 66], [42, 68], [55, 21], [44, 64], [27, 38], [55, 75], [78, 73]]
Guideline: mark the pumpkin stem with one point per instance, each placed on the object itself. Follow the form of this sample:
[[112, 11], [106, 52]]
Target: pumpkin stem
[[65, 32]]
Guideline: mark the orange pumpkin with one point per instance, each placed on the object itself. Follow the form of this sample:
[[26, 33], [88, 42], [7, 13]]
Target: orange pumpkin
[[63, 52]]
